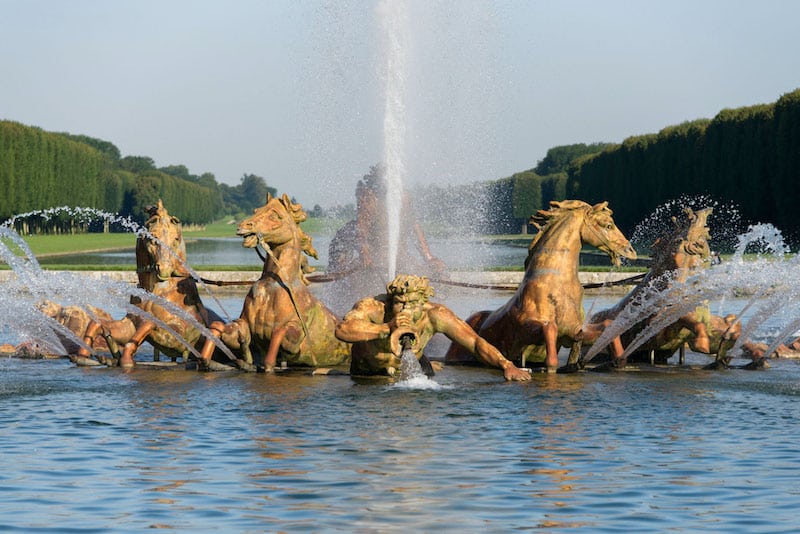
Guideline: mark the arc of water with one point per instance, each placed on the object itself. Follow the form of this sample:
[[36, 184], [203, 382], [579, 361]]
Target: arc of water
[[31, 279], [178, 312]]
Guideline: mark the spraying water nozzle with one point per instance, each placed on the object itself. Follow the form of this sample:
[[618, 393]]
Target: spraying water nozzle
[[407, 340], [402, 339]]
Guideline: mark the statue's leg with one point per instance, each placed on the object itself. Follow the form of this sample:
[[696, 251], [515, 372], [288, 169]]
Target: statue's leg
[[701, 342], [550, 334], [117, 333], [722, 353], [126, 360], [236, 337], [113, 346], [216, 328], [574, 362], [92, 329], [271, 357], [289, 337]]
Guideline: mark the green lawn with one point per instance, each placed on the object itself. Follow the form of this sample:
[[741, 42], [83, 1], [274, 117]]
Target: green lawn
[[46, 245], [42, 245]]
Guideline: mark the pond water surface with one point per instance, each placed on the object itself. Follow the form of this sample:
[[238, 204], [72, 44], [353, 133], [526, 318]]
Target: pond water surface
[[99, 450], [458, 254]]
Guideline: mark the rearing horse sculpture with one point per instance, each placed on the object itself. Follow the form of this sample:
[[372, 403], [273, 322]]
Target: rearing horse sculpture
[[161, 268], [546, 312], [280, 316], [675, 257]]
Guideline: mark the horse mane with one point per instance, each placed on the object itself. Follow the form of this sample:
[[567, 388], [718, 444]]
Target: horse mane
[[298, 215], [558, 210]]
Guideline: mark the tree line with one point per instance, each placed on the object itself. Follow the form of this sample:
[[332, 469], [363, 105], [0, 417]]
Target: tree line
[[749, 156], [40, 170], [501, 206]]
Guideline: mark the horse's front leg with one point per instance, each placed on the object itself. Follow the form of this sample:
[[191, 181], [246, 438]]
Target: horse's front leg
[[92, 329], [288, 336], [144, 329], [235, 336], [548, 330], [700, 342], [114, 332], [534, 332], [118, 333]]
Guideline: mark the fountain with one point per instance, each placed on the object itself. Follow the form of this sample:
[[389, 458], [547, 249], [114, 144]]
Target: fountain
[[381, 236], [768, 284], [49, 309], [675, 256], [395, 26], [108, 450]]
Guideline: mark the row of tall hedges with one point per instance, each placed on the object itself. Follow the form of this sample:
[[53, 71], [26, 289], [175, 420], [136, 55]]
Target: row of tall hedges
[[40, 170], [749, 155]]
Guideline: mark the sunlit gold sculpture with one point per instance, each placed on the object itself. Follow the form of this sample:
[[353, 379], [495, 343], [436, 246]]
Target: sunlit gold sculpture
[[161, 268], [546, 312], [280, 317], [376, 326], [675, 257]]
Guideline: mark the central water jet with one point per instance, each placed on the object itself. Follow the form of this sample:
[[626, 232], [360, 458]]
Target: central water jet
[[393, 16]]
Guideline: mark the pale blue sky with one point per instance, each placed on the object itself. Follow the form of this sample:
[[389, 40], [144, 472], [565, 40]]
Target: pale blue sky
[[291, 90]]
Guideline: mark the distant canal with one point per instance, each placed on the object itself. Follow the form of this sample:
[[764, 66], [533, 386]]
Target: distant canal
[[464, 254]]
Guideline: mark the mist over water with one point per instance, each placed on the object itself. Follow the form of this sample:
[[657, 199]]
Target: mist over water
[[452, 86], [725, 222]]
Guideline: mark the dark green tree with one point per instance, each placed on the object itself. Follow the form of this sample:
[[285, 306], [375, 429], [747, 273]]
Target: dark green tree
[[558, 158], [137, 164]]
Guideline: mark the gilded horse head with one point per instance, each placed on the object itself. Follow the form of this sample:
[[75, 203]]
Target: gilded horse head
[[161, 252], [276, 225], [597, 227]]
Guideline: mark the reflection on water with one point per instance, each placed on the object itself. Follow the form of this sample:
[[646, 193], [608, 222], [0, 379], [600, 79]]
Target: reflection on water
[[100, 449]]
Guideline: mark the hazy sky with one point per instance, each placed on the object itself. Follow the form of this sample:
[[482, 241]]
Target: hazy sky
[[294, 90]]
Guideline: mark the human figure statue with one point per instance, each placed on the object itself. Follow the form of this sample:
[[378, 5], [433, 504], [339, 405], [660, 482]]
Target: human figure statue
[[362, 244], [376, 325]]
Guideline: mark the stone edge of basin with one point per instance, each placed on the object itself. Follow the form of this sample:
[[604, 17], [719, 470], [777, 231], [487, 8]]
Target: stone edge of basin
[[469, 277]]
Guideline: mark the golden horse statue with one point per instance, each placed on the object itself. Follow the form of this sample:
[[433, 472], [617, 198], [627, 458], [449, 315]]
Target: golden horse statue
[[161, 269], [280, 316], [675, 257], [546, 312]]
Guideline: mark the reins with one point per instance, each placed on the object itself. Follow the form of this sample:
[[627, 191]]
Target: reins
[[332, 277], [280, 277]]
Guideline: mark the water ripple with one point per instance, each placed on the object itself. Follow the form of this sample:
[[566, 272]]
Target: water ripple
[[106, 450]]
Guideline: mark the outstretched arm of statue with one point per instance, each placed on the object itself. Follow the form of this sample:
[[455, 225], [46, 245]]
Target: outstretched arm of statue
[[363, 323], [460, 332]]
